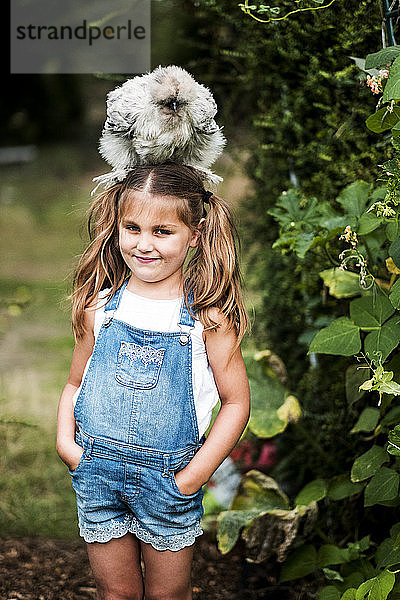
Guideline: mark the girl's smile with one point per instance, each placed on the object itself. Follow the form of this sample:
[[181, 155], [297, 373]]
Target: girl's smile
[[154, 242], [143, 260]]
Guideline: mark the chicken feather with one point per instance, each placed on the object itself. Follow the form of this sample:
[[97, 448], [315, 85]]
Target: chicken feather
[[164, 115]]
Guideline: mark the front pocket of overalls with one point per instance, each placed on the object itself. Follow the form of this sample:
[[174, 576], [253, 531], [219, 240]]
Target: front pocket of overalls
[[178, 491], [79, 465], [138, 366], [80, 441]]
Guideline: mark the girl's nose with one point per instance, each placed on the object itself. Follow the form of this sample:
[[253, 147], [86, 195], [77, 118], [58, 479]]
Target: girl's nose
[[145, 242]]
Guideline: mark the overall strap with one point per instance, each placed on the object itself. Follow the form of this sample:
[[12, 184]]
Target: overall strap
[[113, 303], [186, 321]]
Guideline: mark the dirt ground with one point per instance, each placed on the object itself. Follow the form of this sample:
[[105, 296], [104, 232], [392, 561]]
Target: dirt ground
[[43, 569]]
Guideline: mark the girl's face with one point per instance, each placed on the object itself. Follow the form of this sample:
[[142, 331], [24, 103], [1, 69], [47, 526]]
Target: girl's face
[[154, 242]]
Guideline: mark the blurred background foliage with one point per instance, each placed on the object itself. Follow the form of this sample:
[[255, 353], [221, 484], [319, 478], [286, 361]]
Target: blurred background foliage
[[293, 110]]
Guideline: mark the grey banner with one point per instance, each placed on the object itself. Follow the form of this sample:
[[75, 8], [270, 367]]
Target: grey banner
[[72, 36]]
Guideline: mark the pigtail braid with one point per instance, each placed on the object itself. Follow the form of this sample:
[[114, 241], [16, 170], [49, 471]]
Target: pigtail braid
[[213, 271], [101, 264]]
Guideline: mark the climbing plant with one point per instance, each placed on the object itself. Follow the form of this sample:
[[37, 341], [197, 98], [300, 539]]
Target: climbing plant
[[264, 13], [362, 231]]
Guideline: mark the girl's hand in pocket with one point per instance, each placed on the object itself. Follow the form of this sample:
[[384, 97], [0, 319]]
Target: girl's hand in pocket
[[185, 482], [71, 455]]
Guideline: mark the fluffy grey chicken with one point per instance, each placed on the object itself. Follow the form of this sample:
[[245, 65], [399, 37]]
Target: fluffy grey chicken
[[160, 116]]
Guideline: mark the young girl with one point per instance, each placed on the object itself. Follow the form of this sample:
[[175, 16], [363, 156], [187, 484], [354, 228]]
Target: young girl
[[156, 345]]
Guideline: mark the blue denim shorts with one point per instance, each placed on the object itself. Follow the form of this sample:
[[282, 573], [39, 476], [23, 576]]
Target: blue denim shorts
[[123, 488]]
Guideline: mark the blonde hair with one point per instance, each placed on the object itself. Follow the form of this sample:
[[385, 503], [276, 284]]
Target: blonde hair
[[212, 273]]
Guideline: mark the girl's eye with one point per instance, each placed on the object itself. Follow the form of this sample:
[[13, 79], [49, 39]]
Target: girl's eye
[[132, 227], [164, 231]]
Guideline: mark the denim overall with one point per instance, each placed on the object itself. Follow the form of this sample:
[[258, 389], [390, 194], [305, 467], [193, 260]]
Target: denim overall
[[136, 421]]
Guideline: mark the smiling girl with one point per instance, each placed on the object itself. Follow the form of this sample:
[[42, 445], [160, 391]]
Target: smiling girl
[[157, 344]]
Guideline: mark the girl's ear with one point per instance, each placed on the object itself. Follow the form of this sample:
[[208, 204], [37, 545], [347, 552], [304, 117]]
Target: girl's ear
[[196, 234]]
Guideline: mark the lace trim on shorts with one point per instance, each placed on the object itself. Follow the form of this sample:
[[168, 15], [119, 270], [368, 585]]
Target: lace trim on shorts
[[116, 529]]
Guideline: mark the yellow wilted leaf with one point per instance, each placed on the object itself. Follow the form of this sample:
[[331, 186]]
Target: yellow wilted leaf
[[391, 267], [290, 411], [275, 364]]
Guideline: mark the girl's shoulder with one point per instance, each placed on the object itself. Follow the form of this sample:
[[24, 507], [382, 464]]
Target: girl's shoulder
[[217, 319], [94, 313], [215, 314]]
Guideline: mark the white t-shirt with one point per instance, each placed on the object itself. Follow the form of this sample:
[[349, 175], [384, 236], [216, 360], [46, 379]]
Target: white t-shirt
[[163, 315]]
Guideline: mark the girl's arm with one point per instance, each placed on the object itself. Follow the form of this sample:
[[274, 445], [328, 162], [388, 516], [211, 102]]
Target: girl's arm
[[68, 450], [233, 387]]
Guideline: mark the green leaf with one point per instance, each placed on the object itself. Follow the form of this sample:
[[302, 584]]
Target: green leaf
[[364, 588], [392, 230], [393, 446], [396, 129], [335, 224], [397, 542], [391, 418], [354, 198], [360, 63], [382, 57], [329, 593], [292, 210], [258, 491], [394, 252], [340, 487], [379, 193], [355, 578], [387, 555], [395, 295], [362, 544], [329, 554], [390, 387], [332, 575], [395, 531], [382, 342], [369, 221], [367, 421], [356, 375], [368, 463], [355, 550], [312, 492], [267, 395], [383, 486], [230, 522], [299, 243], [342, 337], [382, 585], [350, 594], [392, 87], [341, 284], [302, 562], [383, 119], [370, 311]]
